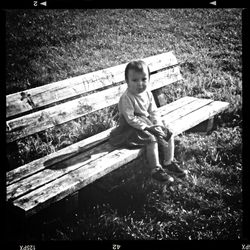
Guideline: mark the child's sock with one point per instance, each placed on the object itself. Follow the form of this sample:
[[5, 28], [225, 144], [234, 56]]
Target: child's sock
[[165, 163]]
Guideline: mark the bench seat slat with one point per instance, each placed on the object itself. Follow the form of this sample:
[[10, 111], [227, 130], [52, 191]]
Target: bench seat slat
[[19, 102], [194, 118], [42, 120], [61, 187], [185, 110], [170, 107]]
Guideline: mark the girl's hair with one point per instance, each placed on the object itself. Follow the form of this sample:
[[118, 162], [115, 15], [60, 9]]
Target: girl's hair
[[137, 66]]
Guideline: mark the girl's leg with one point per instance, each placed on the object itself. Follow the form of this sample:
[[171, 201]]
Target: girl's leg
[[153, 155], [168, 151], [157, 171], [169, 165]]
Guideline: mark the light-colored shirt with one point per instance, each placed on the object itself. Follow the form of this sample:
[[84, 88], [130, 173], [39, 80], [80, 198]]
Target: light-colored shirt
[[132, 107]]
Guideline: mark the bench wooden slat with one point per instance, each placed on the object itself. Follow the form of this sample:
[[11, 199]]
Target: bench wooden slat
[[35, 166], [185, 110], [51, 173], [180, 122], [197, 116], [42, 120], [170, 107], [20, 102]]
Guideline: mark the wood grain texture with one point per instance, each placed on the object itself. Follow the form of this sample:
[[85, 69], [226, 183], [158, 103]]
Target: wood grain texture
[[170, 107], [197, 116], [185, 110]]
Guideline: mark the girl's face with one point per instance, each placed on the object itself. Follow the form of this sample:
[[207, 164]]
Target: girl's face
[[137, 80]]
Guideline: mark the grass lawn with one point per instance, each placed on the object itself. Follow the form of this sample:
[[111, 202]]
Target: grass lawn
[[43, 46]]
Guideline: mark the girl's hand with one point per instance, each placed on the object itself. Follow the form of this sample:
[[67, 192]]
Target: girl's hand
[[156, 130]]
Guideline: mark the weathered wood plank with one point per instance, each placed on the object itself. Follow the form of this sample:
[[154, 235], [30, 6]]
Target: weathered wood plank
[[38, 165], [193, 118], [185, 110], [170, 107], [57, 170], [42, 120], [32, 99], [70, 183]]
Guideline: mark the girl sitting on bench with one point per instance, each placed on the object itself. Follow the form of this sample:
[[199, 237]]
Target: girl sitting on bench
[[140, 126]]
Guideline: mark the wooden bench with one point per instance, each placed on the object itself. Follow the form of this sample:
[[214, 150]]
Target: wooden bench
[[42, 182]]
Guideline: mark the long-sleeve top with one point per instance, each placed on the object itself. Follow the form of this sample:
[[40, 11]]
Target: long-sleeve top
[[133, 107]]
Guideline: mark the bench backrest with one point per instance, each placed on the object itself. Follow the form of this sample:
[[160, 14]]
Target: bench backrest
[[41, 108]]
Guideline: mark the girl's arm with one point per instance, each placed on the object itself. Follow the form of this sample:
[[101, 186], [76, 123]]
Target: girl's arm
[[126, 108]]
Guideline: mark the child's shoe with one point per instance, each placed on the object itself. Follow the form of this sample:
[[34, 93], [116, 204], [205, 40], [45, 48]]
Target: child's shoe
[[174, 169], [160, 175]]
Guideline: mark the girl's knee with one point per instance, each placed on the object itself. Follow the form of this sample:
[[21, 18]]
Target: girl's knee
[[152, 138]]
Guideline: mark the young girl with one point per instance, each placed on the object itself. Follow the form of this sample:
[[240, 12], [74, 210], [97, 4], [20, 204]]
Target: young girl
[[140, 125]]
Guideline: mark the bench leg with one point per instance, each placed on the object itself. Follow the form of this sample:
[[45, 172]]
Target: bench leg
[[203, 127], [16, 225]]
